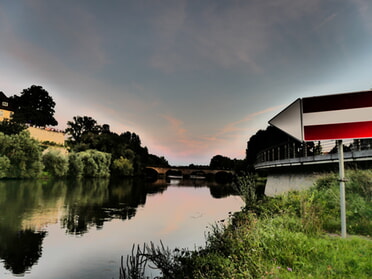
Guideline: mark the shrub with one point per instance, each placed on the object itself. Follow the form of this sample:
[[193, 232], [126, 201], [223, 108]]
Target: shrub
[[4, 166], [55, 163], [122, 167], [76, 166], [89, 163], [24, 155]]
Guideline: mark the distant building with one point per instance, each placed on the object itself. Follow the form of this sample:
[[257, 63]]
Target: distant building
[[6, 110], [40, 134]]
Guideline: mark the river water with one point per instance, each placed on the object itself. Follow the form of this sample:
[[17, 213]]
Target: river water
[[80, 229]]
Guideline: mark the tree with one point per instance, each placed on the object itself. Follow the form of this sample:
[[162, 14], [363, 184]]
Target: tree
[[221, 162], [34, 107], [10, 127], [81, 127]]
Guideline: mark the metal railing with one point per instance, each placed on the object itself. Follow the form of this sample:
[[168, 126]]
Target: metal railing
[[297, 152]]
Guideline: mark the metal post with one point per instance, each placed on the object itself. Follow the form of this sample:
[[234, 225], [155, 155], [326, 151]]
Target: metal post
[[342, 187]]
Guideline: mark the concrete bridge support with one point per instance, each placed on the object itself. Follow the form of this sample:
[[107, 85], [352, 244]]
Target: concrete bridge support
[[279, 183]]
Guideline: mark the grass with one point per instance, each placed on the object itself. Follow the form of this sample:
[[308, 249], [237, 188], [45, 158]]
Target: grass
[[295, 235]]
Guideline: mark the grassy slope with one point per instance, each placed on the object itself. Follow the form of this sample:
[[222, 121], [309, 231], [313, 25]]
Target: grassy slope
[[289, 236]]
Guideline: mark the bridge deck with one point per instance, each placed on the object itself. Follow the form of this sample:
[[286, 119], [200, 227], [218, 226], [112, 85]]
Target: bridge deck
[[275, 157]]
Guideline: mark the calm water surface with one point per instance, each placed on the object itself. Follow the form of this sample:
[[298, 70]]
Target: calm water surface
[[66, 229]]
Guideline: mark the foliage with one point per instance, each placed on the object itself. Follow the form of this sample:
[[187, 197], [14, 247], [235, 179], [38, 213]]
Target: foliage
[[35, 107], [82, 127], [156, 161], [75, 165], [262, 140], [55, 163], [122, 167], [10, 127], [219, 162], [246, 187], [87, 134], [23, 153], [4, 165], [89, 163]]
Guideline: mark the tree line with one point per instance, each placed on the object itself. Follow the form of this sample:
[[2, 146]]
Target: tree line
[[35, 107], [94, 150]]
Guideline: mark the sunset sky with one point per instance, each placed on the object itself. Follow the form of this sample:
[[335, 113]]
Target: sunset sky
[[192, 78]]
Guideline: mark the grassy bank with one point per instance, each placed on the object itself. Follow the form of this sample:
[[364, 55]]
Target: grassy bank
[[295, 235]]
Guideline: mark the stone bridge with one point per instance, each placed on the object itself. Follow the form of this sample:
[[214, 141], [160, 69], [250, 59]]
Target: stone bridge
[[185, 172]]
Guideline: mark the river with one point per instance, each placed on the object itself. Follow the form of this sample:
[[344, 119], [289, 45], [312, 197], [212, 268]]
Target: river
[[80, 229]]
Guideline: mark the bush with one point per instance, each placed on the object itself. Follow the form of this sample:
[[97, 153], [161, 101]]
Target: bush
[[4, 166], [55, 163], [23, 153], [122, 167], [75, 165], [89, 163]]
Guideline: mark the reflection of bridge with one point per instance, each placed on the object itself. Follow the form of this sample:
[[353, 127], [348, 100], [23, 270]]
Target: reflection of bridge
[[184, 172], [296, 165]]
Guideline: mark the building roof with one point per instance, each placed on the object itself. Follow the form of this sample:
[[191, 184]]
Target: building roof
[[4, 102]]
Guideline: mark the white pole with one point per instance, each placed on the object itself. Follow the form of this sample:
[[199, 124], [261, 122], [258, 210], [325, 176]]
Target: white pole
[[342, 187]]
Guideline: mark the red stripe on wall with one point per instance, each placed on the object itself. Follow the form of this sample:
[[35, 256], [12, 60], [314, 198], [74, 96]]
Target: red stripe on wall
[[337, 102], [338, 131]]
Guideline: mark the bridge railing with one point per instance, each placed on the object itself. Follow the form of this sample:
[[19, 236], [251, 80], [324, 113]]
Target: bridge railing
[[293, 150]]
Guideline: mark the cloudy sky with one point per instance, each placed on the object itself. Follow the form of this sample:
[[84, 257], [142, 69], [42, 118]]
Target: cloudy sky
[[192, 78]]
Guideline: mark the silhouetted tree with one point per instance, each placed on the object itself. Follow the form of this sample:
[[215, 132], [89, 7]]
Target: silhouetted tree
[[82, 128], [34, 107], [10, 127], [221, 162], [264, 139]]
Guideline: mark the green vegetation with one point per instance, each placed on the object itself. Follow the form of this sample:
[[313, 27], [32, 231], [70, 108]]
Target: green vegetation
[[129, 158], [10, 127], [287, 236], [124, 154], [55, 163], [21, 156], [90, 163]]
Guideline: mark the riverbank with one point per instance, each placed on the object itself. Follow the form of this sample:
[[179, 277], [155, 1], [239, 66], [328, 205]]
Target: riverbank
[[294, 235]]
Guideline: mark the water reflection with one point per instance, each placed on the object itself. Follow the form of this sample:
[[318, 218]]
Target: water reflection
[[29, 207]]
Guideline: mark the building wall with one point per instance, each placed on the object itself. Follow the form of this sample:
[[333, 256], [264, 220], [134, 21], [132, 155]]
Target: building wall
[[47, 135], [5, 114]]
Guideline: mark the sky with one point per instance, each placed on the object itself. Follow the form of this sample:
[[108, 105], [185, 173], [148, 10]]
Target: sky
[[193, 79]]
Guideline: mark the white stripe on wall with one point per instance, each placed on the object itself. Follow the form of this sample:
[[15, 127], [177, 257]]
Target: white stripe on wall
[[337, 116]]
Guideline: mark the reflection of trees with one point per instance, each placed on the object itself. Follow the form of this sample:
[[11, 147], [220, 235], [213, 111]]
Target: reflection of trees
[[91, 202], [27, 206], [222, 191], [21, 250], [84, 202]]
